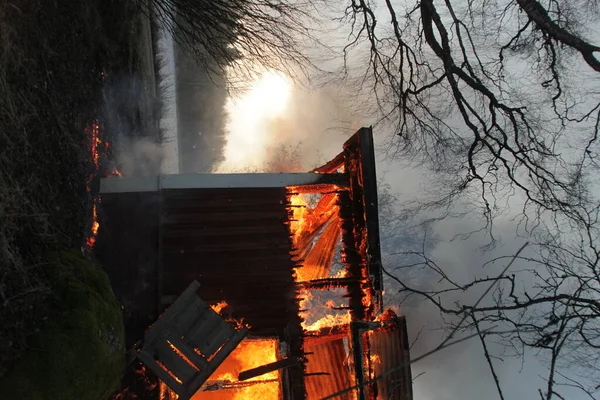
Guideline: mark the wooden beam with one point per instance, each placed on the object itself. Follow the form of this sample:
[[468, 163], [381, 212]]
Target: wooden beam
[[265, 369], [333, 165]]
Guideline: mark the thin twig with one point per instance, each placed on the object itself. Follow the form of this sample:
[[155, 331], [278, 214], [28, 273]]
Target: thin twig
[[488, 358], [494, 282]]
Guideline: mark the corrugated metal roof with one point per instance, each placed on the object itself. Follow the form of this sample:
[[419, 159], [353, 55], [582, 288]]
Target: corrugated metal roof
[[331, 357], [389, 349]]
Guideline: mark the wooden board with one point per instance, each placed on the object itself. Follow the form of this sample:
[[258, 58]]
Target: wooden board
[[187, 343]]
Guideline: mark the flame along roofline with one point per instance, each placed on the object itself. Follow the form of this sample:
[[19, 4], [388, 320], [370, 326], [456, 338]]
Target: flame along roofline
[[363, 141]]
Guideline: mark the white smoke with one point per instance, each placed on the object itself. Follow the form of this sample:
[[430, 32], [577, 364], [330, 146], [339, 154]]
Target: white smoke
[[140, 157], [312, 125]]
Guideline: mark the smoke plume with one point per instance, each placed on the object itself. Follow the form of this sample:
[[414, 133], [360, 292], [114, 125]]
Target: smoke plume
[[308, 131]]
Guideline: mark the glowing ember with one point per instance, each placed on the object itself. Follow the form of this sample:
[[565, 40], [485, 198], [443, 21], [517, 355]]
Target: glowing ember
[[249, 354], [219, 306], [91, 240], [366, 299], [149, 383], [125, 394], [166, 393], [180, 354], [97, 146], [168, 371], [342, 273], [94, 142], [115, 172], [387, 315], [375, 359], [238, 323]]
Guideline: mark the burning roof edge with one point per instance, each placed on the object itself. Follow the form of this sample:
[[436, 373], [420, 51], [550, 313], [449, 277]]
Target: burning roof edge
[[359, 147], [363, 142]]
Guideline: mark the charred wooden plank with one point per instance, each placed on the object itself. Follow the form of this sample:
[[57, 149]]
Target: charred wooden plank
[[265, 369]]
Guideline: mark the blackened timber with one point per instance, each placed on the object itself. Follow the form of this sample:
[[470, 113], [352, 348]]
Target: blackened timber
[[331, 166], [327, 283], [294, 374], [127, 248], [342, 183], [328, 331], [354, 165], [325, 337], [265, 369], [351, 257], [358, 354], [369, 188], [237, 244]]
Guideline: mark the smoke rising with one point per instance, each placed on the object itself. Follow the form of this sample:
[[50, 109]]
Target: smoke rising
[[140, 157], [141, 121], [460, 371], [307, 132]]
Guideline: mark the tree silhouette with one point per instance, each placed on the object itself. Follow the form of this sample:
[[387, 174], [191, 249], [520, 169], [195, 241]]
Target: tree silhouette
[[500, 99]]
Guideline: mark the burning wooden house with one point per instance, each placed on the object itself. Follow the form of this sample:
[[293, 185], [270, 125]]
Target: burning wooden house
[[294, 257]]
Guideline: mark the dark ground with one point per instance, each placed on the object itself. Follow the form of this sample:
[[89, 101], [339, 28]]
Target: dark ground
[[63, 64]]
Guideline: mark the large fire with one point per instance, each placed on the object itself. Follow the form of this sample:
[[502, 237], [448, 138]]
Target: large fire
[[304, 221], [250, 353], [223, 384], [317, 222]]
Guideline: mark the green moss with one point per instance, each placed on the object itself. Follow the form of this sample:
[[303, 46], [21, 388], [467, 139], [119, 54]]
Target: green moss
[[79, 354]]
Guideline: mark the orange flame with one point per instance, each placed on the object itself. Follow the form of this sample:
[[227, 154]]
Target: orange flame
[[219, 306], [249, 354], [299, 214], [115, 172], [143, 373], [375, 359], [328, 321], [95, 150], [166, 393], [387, 315], [183, 356], [91, 240], [168, 371], [342, 273]]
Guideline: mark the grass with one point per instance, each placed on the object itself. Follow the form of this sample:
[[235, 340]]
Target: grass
[[52, 56], [79, 354]]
